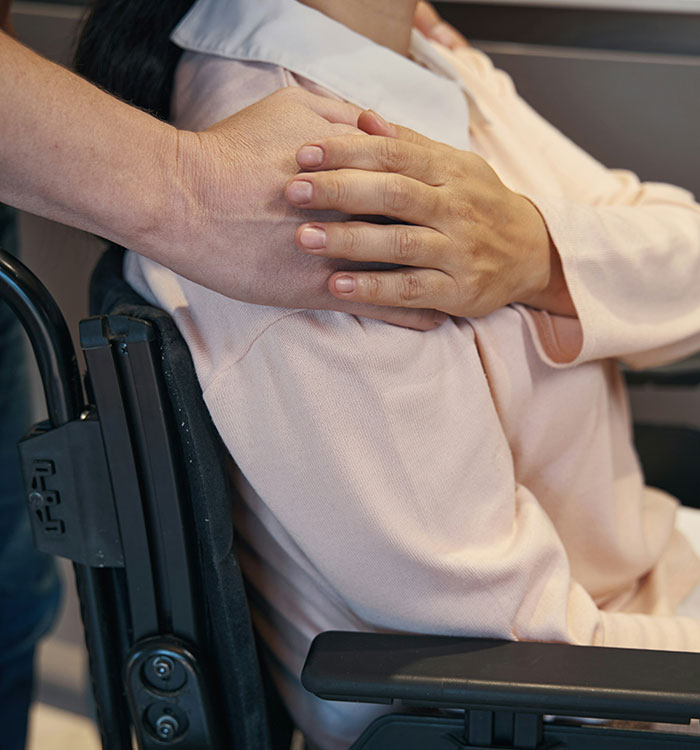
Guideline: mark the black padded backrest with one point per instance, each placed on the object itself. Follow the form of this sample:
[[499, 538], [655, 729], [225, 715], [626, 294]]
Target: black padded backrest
[[230, 642]]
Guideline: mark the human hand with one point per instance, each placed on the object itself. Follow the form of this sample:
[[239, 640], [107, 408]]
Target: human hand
[[234, 232], [429, 23], [467, 244]]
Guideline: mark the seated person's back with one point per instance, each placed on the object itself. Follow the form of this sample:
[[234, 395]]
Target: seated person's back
[[475, 479]]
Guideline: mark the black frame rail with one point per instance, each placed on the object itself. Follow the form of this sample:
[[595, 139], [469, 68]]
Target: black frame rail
[[104, 490]]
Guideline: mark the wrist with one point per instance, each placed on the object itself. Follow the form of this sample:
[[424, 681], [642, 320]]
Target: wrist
[[548, 289], [156, 227], [535, 249]]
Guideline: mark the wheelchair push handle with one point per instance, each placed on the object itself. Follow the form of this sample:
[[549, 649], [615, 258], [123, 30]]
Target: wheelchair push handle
[[49, 336]]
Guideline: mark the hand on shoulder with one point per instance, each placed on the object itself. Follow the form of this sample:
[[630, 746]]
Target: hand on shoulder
[[230, 228]]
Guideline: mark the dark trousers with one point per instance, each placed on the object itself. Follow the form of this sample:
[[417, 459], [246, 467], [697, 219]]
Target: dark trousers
[[29, 589]]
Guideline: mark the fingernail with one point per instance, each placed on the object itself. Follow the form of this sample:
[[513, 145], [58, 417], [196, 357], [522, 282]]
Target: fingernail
[[381, 120], [345, 284], [299, 191], [313, 238], [310, 156]]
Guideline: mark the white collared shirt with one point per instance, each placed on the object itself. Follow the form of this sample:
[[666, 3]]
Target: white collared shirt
[[429, 97]]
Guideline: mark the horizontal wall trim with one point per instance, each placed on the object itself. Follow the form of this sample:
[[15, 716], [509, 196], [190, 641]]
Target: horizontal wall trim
[[631, 31], [578, 53], [651, 6]]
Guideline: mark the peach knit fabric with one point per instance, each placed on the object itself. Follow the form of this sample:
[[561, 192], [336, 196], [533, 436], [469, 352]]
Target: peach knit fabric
[[476, 479]]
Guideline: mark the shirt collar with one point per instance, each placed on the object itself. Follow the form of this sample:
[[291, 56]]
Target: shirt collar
[[431, 99]]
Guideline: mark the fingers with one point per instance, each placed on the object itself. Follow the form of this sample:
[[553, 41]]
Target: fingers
[[382, 243], [418, 320], [426, 17], [404, 287], [376, 155], [374, 124], [429, 23], [378, 194], [333, 110]]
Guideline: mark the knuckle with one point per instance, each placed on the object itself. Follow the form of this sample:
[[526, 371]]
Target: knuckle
[[410, 287], [404, 245], [349, 241], [396, 198], [372, 287], [335, 190], [392, 155], [450, 169]]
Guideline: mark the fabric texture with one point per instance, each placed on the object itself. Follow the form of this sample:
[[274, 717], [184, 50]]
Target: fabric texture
[[476, 479]]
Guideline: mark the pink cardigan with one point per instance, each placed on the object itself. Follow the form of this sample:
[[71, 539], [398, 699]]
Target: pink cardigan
[[477, 479]]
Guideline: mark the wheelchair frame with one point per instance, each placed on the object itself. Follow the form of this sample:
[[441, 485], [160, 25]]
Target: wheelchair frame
[[110, 485]]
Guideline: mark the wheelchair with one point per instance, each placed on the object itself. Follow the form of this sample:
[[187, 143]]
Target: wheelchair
[[128, 479]]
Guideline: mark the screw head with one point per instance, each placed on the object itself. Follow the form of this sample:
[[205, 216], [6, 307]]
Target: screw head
[[166, 727], [163, 667], [123, 348], [36, 499]]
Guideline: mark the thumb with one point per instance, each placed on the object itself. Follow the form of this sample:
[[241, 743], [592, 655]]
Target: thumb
[[374, 124]]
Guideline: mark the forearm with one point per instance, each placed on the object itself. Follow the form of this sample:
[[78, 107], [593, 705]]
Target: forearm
[[72, 153]]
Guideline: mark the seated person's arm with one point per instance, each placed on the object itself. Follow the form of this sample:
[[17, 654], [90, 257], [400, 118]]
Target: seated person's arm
[[630, 251], [381, 455]]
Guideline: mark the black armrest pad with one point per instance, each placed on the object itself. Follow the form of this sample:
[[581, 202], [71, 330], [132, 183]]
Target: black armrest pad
[[481, 673], [686, 372]]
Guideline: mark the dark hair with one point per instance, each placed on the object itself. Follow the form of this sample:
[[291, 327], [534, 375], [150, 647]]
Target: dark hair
[[125, 48]]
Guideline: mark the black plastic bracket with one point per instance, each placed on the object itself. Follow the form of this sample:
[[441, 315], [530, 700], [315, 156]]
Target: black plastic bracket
[[69, 495], [167, 698], [506, 730]]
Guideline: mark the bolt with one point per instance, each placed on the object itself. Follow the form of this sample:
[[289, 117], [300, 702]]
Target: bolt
[[36, 499], [123, 348], [166, 727], [163, 666]]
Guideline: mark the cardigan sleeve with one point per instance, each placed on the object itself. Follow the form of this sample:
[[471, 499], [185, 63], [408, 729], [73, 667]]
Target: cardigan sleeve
[[630, 250], [380, 453]]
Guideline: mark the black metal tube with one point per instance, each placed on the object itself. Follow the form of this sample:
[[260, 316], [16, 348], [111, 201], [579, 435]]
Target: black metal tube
[[50, 339], [98, 593], [49, 336]]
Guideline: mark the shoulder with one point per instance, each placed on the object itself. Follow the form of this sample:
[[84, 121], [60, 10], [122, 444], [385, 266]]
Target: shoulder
[[209, 88]]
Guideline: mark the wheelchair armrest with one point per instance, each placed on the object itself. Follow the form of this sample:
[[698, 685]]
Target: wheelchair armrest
[[474, 673], [686, 372]]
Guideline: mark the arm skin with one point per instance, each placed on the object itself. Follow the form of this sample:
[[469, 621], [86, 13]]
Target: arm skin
[[74, 154], [71, 153]]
